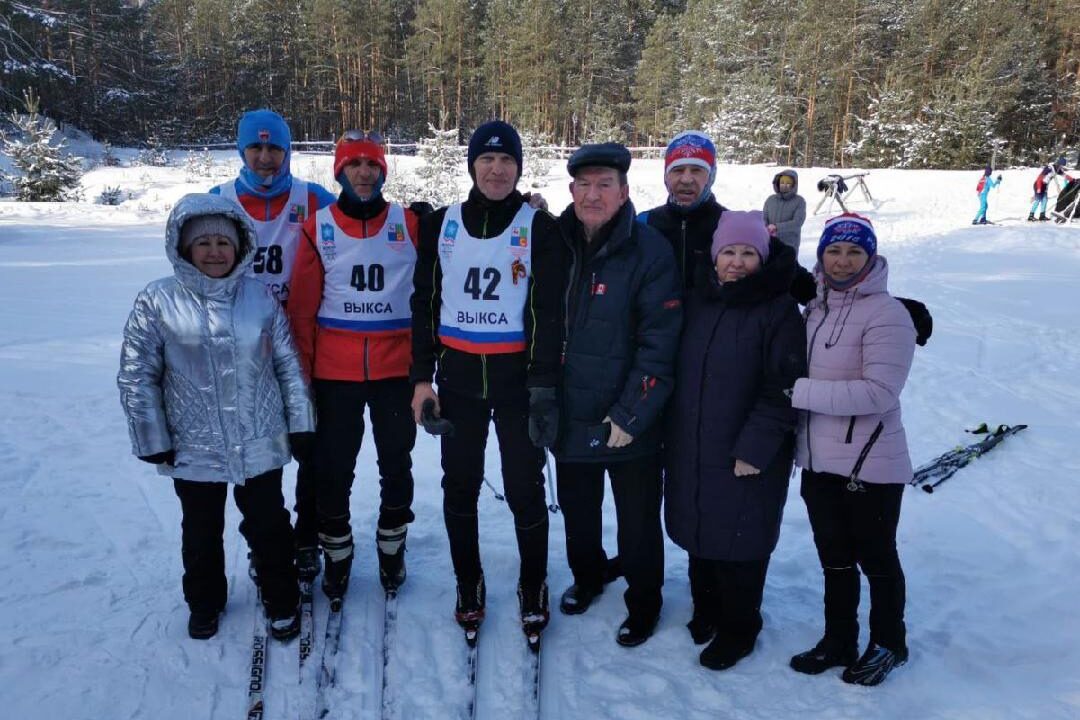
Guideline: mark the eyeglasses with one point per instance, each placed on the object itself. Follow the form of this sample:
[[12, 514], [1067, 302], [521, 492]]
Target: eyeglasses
[[785, 181], [363, 135]]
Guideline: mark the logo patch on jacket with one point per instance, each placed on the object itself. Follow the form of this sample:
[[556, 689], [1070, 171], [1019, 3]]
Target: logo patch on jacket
[[395, 235], [519, 237], [297, 213], [327, 241]]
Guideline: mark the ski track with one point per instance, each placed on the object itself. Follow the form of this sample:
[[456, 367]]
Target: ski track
[[96, 624]]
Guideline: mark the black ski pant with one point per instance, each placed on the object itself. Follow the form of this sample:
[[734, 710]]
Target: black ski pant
[[522, 476], [729, 594], [339, 433], [306, 530], [856, 530], [637, 486], [265, 526]]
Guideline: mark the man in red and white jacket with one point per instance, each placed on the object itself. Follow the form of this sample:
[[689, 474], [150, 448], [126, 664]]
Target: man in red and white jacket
[[278, 205], [349, 310]]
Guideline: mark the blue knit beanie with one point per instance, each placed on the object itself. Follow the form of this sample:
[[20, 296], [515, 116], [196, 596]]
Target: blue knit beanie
[[495, 136], [851, 228], [262, 126]]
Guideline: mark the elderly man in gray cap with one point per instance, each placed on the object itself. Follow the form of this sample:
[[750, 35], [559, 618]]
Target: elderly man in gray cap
[[623, 318]]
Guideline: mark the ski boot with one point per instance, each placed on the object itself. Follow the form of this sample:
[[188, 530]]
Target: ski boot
[[390, 545], [469, 612], [875, 665], [337, 557], [307, 563], [285, 627], [534, 612], [1031, 217], [1043, 218]]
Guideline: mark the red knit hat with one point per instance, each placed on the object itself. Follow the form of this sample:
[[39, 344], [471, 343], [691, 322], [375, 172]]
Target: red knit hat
[[348, 150]]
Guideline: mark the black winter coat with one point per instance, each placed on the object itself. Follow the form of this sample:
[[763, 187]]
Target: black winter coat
[[689, 232], [623, 317], [494, 375], [743, 344]]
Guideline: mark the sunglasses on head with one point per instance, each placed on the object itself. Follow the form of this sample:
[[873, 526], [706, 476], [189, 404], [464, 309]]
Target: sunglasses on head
[[363, 135]]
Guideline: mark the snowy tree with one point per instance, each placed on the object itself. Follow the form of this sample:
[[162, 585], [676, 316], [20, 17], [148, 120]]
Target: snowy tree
[[749, 126], [539, 159], [45, 172], [436, 178]]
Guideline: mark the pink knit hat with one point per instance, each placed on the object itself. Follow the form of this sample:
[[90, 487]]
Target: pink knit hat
[[741, 228]]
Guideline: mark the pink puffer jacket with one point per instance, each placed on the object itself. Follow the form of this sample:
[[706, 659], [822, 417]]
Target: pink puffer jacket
[[860, 344]]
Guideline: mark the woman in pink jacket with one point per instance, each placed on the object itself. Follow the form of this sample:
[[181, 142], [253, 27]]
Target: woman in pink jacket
[[852, 448]]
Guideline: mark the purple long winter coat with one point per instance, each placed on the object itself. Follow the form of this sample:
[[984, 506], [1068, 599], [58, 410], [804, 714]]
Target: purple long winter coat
[[860, 344], [742, 345]]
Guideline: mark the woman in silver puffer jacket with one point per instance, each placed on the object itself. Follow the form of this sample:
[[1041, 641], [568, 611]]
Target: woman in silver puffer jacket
[[213, 392]]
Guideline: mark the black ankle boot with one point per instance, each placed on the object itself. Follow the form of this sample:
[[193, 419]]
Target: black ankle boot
[[826, 654], [724, 651]]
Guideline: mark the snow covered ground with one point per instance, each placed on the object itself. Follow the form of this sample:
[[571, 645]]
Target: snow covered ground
[[95, 620]]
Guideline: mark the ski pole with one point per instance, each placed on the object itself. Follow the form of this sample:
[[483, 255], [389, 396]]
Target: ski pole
[[498, 496], [554, 505]]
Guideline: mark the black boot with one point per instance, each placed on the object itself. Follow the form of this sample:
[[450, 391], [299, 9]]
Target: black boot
[[533, 603], [1031, 217], [337, 557], [725, 650], [469, 611], [636, 629], [875, 665], [826, 654], [702, 625], [1043, 218], [577, 598], [203, 624], [285, 627], [390, 544], [307, 563]]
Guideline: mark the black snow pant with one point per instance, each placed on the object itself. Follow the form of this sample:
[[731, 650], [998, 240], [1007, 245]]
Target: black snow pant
[[637, 486], [339, 433], [265, 526], [729, 594], [522, 476], [856, 530], [306, 530]]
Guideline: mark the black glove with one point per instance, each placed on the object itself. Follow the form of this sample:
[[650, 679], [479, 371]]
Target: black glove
[[301, 445], [162, 458], [543, 417], [804, 286], [432, 424], [920, 316], [999, 178], [421, 208]]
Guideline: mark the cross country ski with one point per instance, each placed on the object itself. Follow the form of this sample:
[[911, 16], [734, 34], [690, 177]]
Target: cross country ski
[[940, 469]]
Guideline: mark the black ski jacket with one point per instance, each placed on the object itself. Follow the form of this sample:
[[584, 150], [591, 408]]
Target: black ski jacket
[[493, 375], [623, 318], [689, 232]]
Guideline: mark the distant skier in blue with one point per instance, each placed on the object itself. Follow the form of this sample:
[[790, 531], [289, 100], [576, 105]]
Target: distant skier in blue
[[986, 184]]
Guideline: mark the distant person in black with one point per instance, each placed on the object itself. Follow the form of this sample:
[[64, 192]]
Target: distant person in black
[[486, 305], [623, 316]]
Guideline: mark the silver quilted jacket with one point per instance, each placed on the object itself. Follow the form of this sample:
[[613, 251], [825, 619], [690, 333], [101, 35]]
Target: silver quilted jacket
[[208, 367]]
